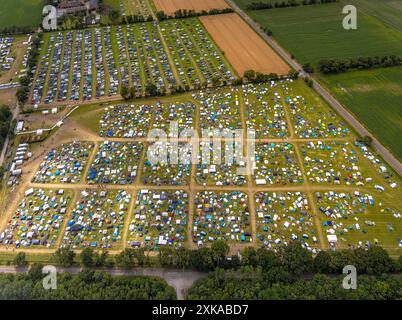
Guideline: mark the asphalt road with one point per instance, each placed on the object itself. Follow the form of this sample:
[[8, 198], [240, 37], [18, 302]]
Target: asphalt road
[[180, 280], [353, 122]]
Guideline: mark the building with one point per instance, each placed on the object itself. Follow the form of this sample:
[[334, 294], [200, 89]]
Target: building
[[75, 6]]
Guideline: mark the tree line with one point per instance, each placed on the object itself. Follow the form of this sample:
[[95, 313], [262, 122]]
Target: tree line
[[23, 91], [277, 284], [293, 258], [87, 285], [285, 4], [337, 66], [290, 272], [249, 76], [5, 126], [184, 13]]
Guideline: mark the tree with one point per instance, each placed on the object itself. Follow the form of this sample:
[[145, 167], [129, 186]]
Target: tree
[[296, 259], [219, 251], [101, 260], [322, 262], [250, 75], [367, 140], [87, 257], [64, 257], [5, 113], [378, 261], [20, 260], [125, 92], [35, 272], [125, 259], [308, 68], [24, 81], [267, 259], [249, 257], [22, 94], [114, 15], [181, 258], [151, 90], [202, 259]]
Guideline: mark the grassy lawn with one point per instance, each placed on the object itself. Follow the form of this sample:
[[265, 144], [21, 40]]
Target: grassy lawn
[[320, 35], [20, 13], [374, 96]]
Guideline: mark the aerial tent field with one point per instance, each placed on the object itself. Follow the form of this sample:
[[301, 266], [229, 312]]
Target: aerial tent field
[[312, 181]]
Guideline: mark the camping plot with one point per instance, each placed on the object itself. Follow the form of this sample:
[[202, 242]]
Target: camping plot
[[135, 7], [64, 164], [264, 110], [335, 163], [125, 121], [378, 165], [311, 116], [276, 163], [105, 59], [220, 164], [159, 219], [358, 219], [182, 58], [219, 109], [284, 217], [38, 219], [166, 167], [176, 115], [97, 220], [221, 216], [115, 163], [194, 52]]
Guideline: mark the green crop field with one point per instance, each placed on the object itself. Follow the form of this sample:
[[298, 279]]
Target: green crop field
[[374, 96], [388, 11], [319, 34], [20, 13]]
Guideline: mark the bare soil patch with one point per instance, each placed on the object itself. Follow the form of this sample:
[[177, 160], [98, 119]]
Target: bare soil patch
[[170, 6], [243, 47]]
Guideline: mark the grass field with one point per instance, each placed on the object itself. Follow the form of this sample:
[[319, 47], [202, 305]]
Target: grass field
[[388, 11], [319, 34], [20, 13], [374, 96]]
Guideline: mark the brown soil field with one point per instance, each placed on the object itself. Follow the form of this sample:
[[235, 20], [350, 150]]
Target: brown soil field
[[170, 6], [243, 47]]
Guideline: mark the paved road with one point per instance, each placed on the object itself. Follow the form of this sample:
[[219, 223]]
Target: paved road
[[180, 280], [358, 127]]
